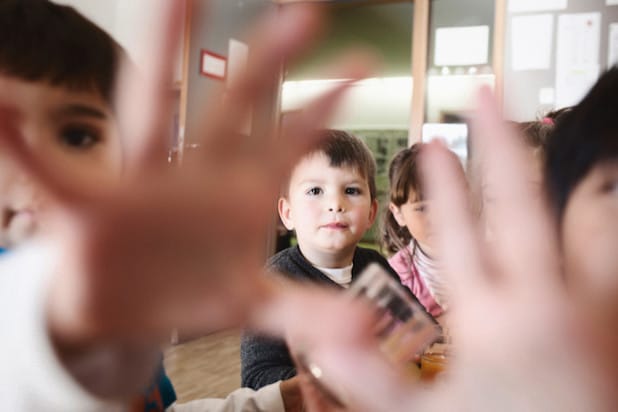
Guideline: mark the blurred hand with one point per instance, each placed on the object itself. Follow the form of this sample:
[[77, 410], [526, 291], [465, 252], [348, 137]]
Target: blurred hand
[[519, 342], [178, 246]]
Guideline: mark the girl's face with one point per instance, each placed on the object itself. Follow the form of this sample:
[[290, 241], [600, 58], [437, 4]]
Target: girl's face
[[413, 214], [74, 132], [589, 239]]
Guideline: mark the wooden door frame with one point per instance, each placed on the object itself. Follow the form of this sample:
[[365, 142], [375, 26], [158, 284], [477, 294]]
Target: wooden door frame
[[420, 46]]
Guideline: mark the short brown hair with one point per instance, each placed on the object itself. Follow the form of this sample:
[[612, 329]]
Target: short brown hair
[[44, 41], [345, 149]]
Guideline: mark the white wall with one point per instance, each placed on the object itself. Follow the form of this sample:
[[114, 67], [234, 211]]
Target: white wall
[[127, 21], [453, 93], [378, 104], [384, 103], [102, 12]]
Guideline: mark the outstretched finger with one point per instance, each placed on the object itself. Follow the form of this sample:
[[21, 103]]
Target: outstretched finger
[[302, 130], [279, 37], [456, 228], [145, 88], [517, 214]]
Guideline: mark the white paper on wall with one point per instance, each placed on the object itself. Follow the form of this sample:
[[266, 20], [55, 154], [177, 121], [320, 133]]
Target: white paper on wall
[[455, 135], [611, 2], [213, 65], [531, 42], [572, 85], [612, 53], [237, 58], [577, 56], [516, 6], [461, 46], [547, 95]]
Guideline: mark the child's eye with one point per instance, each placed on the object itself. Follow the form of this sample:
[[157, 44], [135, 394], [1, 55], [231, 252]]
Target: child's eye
[[314, 191], [611, 187], [420, 208], [352, 191], [79, 137]]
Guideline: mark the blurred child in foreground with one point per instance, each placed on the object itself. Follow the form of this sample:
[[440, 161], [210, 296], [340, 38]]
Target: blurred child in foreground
[[114, 266]]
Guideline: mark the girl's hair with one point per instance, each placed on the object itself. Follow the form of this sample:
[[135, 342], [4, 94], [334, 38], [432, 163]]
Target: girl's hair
[[44, 41], [405, 180], [586, 137], [537, 132]]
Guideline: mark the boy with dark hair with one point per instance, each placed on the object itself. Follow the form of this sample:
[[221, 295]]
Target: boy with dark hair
[[40, 43], [57, 71], [123, 261], [57, 74], [330, 201]]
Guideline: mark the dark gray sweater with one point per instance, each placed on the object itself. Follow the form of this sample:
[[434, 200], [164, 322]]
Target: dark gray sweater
[[266, 360]]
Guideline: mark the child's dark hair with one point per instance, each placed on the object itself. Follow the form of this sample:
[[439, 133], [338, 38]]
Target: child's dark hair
[[345, 149], [44, 41], [537, 132], [585, 137], [403, 176]]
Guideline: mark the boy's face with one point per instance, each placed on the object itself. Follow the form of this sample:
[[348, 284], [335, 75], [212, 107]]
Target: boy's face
[[330, 208], [590, 241], [73, 131]]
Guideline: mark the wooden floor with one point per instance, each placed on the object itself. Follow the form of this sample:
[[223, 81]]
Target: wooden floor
[[207, 367]]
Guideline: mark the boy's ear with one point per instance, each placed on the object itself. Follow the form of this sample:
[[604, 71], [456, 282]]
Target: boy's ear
[[396, 214], [283, 207], [373, 212]]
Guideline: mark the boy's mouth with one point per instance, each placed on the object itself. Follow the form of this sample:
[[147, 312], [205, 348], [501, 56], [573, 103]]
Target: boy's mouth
[[335, 226]]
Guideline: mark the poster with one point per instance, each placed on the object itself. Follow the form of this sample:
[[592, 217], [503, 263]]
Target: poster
[[612, 52], [517, 6], [213, 65], [531, 42], [577, 56], [461, 46]]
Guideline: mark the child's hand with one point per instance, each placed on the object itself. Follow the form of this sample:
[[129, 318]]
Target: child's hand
[[178, 246], [518, 341]]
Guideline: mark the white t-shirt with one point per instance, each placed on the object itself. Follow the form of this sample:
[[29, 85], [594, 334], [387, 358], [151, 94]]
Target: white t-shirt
[[32, 378], [341, 276]]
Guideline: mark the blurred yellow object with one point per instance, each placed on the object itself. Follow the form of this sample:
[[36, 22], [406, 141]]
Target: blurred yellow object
[[432, 364]]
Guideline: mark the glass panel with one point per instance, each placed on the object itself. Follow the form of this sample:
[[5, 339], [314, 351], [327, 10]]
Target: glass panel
[[459, 62]]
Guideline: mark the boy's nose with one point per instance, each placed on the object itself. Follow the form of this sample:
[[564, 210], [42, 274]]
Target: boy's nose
[[336, 205]]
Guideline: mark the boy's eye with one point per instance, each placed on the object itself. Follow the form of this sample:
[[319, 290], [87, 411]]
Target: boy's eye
[[420, 208], [314, 191], [352, 191], [611, 187], [79, 137]]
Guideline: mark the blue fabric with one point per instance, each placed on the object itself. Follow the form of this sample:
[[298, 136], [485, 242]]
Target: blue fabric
[[2, 250], [158, 396], [168, 395]]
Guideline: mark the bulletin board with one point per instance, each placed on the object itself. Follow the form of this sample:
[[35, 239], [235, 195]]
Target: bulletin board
[[554, 50]]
